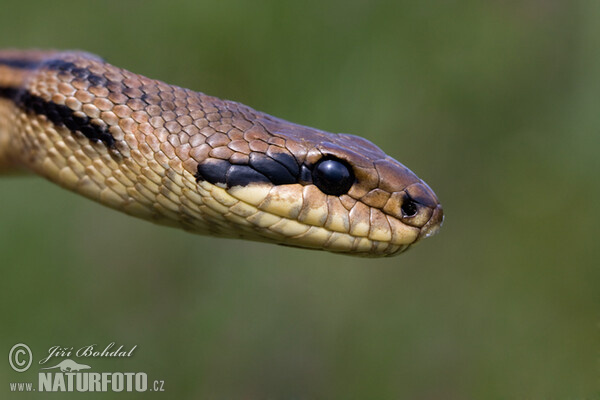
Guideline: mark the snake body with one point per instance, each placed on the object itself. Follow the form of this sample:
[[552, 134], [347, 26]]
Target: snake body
[[215, 167]]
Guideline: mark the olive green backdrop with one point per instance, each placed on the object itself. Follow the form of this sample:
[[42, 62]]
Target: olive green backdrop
[[494, 103]]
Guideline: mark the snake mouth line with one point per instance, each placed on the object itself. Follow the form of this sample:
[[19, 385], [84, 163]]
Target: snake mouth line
[[316, 237], [291, 233]]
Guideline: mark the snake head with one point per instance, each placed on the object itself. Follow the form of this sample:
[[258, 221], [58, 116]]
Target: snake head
[[303, 187], [386, 187]]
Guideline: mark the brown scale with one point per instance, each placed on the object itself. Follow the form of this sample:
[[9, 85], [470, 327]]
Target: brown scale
[[207, 165]]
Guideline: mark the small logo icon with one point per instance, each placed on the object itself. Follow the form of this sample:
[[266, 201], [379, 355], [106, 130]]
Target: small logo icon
[[69, 366], [20, 357]]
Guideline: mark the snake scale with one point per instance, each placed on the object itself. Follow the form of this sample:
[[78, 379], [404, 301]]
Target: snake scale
[[182, 158]]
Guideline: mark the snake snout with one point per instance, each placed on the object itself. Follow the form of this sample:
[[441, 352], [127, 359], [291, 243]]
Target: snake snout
[[421, 209], [434, 224]]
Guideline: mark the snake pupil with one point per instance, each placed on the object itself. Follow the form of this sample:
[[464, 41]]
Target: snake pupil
[[333, 177], [409, 208]]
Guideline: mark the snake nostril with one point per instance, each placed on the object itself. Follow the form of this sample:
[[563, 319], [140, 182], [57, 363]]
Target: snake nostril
[[409, 208]]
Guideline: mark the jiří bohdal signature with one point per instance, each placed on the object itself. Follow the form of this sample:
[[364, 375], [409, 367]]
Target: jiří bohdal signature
[[92, 351]]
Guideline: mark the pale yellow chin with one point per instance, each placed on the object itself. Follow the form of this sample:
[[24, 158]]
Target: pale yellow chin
[[284, 215]]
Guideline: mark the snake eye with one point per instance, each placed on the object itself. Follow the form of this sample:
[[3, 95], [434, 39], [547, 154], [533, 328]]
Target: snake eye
[[333, 176], [409, 208]]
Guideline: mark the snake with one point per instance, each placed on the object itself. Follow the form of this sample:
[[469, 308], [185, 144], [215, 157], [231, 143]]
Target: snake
[[181, 158]]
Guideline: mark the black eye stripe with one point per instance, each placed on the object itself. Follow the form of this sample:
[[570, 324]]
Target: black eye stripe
[[276, 172], [260, 169], [305, 175], [213, 171], [241, 175], [331, 175], [286, 160]]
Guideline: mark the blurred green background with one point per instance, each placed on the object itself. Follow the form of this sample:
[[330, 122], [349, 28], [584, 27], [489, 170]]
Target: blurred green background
[[495, 104]]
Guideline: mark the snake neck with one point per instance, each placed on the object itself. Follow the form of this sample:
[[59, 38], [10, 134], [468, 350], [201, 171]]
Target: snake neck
[[14, 72], [8, 162]]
